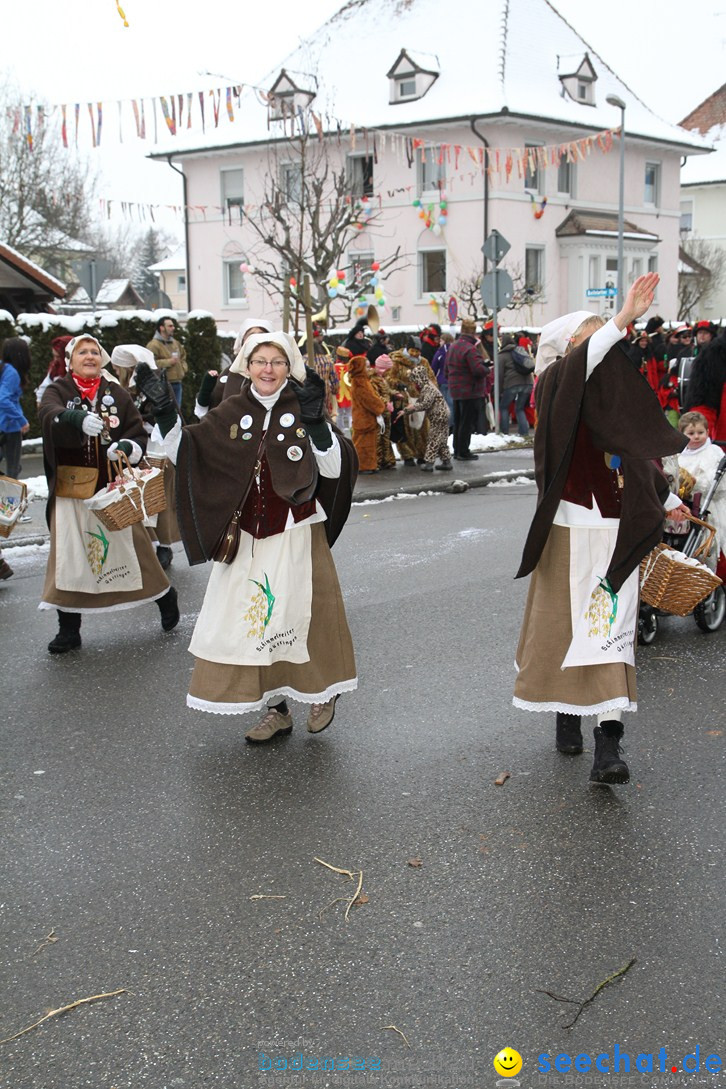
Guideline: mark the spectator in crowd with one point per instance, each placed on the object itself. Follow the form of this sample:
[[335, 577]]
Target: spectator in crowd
[[466, 374], [14, 371], [379, 381], [381, 346], [438, 366], [430, 341], [516, 379], [57, 365], [367, 411], [169, 355], [431, 401]]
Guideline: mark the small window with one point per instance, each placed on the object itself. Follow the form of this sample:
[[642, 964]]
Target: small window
[[686, 216], [291, 182], [431, 172], [232, 182], [432, 264], [359, 169], [181, 283], [533, 268], [636, 268], [652, 183], [582, 90], [566, 178], [532, 175], [406, 87], [235, 289], [360, 265], [653, 263], [593, 277], [395, 313], [611, 268]]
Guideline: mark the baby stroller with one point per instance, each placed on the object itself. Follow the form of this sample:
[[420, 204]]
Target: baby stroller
[[709, 613]]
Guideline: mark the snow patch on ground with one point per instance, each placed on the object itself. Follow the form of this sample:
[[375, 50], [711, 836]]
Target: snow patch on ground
[[392, 498], [481, 443], [511, 483], [37, 487], [27, 550]]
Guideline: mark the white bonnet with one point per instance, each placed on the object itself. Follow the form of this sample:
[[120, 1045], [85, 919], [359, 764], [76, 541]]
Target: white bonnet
[[129, 355], [250, 323], [283, 341], [555, 337], [70, 346]]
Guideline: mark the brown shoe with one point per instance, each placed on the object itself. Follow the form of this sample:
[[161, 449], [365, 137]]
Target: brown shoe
[[6, 571], [321, 715], [272, 725]]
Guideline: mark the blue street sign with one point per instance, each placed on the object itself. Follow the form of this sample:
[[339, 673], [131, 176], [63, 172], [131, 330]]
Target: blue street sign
[[601, 292]]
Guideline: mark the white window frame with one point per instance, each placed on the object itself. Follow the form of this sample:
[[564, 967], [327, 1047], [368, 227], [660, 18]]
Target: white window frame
[[656, 166], [540, 251], [423, 291], [289, 171], [686, 220], [233, 300], [235, 199], [364, 258], [432, 152], [181, 281], [571, 174], [350, 159], [538, 173], [594, 274]]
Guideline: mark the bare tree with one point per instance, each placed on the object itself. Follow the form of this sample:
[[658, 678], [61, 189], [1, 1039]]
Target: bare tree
[[45, 191], [309, 214], [702, 273], [524, 295]]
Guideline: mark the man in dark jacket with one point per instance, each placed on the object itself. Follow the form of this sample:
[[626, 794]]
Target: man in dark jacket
[[515, 384], [466, 374]]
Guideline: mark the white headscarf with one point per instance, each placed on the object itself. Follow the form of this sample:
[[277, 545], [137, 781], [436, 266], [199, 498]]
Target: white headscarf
[[555, 337], [283, 341], [70, 346], [251, 323], [129, 355]]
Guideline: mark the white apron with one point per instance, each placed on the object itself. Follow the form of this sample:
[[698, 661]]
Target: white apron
[[257, 609], [603, 622], [89, 558]]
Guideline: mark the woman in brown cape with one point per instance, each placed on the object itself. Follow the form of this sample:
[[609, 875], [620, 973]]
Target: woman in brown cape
[[264, 486]]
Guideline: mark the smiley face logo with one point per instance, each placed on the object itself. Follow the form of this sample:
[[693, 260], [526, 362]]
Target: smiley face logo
[[508, 1062]]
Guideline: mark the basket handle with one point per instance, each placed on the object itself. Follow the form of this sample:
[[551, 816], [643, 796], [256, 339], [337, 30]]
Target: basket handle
[[119, 466], [705, 548]]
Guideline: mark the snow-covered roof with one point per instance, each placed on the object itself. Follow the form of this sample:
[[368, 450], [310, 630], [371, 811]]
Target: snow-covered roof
[[176, 260], [708, 169], [27, 268], [110, 293], [499, 57]]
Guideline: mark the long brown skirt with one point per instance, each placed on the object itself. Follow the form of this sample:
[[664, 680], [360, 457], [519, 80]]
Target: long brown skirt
[[541, 684], [235, 689], [154, 583]]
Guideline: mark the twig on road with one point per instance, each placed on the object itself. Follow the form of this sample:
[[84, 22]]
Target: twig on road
[[266, 896], [392, 1028], [63, 1009], [49, 939], [582, 1005], [352, 874]]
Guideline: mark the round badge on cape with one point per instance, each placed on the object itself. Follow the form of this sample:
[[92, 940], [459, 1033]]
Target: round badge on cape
[[107, 400], [287, 419], [245, 422], [294, 453], [280, 438], [112, 421], [223, 378], [247, 435], [300, 432]]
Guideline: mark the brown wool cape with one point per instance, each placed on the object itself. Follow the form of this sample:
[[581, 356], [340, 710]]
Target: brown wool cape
[[216, 463], [624, 417], [64, 444]]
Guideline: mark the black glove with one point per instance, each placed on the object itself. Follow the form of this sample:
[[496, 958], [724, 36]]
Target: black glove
[[311, 397], [158, 393], [204, 397]]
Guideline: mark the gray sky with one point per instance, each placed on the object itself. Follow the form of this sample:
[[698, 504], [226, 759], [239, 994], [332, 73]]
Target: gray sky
[[670, 59]]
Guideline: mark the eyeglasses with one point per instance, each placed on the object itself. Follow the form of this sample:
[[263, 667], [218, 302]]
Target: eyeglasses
[[262, 363]]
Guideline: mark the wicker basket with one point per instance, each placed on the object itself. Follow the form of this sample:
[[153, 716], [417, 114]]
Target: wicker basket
[[13, 501], [135, 495], [675, 585]]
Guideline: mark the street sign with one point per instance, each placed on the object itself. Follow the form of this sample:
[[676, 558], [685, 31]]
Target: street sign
[[495, 247], [453, 309], [601, 292], [497, 289], [91, 275]]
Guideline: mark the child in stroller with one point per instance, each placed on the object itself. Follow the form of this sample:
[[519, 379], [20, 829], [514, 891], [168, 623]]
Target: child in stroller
[[697, 475]]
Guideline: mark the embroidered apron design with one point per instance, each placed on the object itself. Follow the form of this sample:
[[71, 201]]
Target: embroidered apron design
[[89, 559]]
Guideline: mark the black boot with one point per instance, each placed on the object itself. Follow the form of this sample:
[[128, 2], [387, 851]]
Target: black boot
[[164, 555], [69, 633], [608, 766], [169, 609], [568, 735]]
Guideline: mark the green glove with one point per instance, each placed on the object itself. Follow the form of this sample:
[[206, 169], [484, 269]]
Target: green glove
[[204, 397]]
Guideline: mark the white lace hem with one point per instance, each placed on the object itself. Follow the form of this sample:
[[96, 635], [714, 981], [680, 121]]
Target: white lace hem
[[105, 608], [286, 692], [620, 703]]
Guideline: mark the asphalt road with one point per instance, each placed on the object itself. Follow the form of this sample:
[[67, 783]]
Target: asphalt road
[[137, 834]]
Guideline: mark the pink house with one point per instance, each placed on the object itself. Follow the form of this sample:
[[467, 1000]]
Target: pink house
[[487, 117]]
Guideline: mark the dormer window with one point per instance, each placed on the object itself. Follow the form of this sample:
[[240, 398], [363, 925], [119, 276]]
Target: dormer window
[[411, 76], [580, 84], [286, 98]]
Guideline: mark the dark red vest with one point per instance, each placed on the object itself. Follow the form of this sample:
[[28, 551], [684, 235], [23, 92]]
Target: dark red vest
[[589, 476], [264, 513]]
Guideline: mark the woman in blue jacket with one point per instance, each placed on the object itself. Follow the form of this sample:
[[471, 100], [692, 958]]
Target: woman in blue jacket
[[14, 371]]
